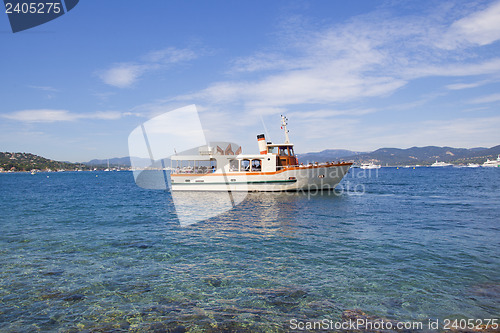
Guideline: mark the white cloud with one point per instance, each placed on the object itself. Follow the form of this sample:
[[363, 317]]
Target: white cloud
[[262, 61], [372, 55], [486, 67], [469, 85], [41, 115], [104, 95], [45, 88], [460, 86], [479, 28], [315, 85], [325, 113], [106, 115], [170, 55], [50, 116], [459, 132], [124, 75], [327, 73], [486, 99]]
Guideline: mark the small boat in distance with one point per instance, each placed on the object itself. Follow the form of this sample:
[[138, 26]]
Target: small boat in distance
[[370, 165], [441, 164], [473, 165], [495, 164], [221, 166], [107, 169]]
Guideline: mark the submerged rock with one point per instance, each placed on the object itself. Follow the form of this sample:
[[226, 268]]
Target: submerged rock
[[142, 246], [487, 290], [133, 244], [134, 288], [54, 272], [52, 295], [104, 328], [74, 298], [322, 305], [292, 292], [56, 294], [161, 309], [214, 281], [283, 297]]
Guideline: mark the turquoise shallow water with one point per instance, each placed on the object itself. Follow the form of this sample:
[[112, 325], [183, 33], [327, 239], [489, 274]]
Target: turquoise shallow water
[[86, 253]]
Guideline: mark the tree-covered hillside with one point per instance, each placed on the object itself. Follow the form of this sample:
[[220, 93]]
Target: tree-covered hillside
[[27, 162]]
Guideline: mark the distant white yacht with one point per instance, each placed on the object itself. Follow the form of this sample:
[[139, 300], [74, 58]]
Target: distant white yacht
[[473, 165], [441, 164], [370, 165], [495, 164]]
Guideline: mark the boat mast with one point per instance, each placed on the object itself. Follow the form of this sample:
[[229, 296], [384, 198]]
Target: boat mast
[[283, 127]]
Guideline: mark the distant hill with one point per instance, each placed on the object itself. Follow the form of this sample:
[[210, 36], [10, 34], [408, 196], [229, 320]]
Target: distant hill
[[116, 161], [121, 162], [384, 156], [326, 155], [426, 155], [27, 162]]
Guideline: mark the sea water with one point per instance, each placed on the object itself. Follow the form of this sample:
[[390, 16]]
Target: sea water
[[91, 251]]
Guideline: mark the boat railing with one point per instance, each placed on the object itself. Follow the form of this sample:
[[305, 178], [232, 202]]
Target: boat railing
[[208, 170], [305, 165], [197, 170]]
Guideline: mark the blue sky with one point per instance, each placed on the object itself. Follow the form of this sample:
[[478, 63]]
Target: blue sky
[[356, 75]]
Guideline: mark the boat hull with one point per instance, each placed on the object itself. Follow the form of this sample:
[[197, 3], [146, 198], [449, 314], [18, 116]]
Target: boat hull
[[307, 178]]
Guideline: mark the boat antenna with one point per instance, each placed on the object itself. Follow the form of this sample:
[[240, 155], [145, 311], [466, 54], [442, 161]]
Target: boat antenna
[[283, 127]]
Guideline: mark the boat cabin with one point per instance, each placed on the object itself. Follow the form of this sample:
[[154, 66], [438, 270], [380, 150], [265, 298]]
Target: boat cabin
[[227, 157], [277, 157], [284, 153]]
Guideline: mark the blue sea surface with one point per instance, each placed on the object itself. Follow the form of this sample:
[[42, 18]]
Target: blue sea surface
[[91, 251]]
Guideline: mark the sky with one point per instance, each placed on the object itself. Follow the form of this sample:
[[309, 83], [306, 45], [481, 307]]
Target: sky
[[357, 75]]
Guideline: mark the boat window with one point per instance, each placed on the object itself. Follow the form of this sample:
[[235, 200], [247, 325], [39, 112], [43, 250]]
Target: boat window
[[256, 165], [291, 151], [245, 165], [200, 166], [213, 165], [194, 166], [272, 150], [283, 151], [234, 165]]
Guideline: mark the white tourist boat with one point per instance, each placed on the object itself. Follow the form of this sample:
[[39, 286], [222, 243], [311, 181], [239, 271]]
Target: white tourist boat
[[495, 164], [473, 165], [370, 165], [223, 167], [441, 164]]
